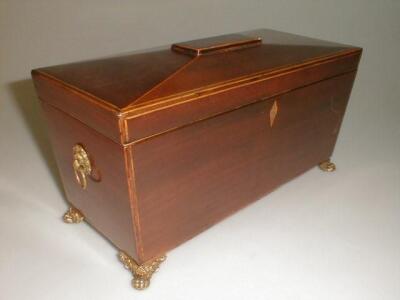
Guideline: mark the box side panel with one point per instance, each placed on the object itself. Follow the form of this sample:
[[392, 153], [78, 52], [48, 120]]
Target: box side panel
[[194, 176], [167, 116], [105, 202]]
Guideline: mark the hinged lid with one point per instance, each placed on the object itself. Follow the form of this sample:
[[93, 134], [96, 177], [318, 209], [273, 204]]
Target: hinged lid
[[153, 92]]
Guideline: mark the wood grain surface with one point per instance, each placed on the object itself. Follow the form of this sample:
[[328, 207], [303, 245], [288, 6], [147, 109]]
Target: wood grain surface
[[192, 177]]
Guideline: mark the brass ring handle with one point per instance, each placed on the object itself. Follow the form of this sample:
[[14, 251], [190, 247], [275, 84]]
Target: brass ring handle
[[81, 165], [81, 177]]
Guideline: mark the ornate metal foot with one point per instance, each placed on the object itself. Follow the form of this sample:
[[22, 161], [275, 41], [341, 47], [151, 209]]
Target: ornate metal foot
[[327, 166], [141, 273], [73, 215]]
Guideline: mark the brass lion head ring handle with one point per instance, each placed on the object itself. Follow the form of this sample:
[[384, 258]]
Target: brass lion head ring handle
[[81, 165]]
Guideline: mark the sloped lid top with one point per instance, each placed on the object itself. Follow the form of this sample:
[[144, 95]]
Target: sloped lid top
[[130, 81]]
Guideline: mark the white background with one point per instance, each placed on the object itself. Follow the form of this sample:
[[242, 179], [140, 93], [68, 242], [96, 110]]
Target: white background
[[321, 236]]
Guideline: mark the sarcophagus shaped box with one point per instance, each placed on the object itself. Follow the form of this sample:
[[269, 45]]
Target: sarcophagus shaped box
[[155, 147]]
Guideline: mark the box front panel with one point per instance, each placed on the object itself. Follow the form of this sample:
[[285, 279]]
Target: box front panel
[[105, 200], [192, 177]]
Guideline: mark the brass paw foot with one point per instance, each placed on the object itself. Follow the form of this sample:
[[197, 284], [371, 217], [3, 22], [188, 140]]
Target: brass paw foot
[[141, 273], [73, 215], [327, 166]]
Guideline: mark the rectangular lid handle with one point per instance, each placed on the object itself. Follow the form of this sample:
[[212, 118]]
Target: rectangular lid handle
[[216, 44]]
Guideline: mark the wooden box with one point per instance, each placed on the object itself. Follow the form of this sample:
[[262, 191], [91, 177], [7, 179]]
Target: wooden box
[[155, 147]]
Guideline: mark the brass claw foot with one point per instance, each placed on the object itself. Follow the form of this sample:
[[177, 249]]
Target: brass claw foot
[[327, 166], [141, 273], [73, 215]]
